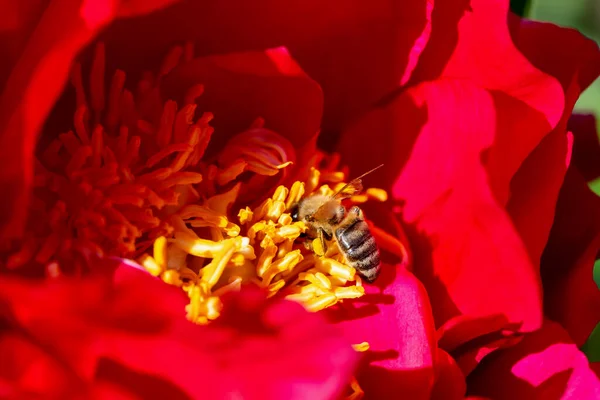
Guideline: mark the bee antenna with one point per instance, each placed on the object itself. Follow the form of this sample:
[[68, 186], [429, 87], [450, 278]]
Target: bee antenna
[[355, 179], [368, 172]]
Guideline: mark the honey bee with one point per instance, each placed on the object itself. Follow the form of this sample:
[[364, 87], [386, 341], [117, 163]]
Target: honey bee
[[326, 218]]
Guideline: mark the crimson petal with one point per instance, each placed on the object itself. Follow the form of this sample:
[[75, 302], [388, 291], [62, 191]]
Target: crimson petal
[[534, 195], [36, 80], [241, 87], [541, 65], [586, 148], [546, 364], [450, 382], [571, 295], [141, 346], [357, 52]]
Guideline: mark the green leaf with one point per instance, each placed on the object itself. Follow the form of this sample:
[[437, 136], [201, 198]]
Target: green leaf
[[597, 273], [519, 7], [591, 348]]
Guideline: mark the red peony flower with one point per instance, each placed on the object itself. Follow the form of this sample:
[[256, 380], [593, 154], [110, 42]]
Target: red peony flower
[[191, 167]]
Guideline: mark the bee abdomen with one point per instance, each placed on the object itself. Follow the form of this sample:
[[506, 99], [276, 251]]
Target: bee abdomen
[[360, 249]]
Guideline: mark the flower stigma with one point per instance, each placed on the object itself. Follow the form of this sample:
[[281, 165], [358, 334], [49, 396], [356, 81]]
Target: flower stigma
[[132, 179]]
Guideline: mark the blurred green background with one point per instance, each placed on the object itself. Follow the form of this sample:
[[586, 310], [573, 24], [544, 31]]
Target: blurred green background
[[583, 15]]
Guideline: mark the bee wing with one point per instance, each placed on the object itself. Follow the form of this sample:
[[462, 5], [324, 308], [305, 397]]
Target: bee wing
[[350, 189]]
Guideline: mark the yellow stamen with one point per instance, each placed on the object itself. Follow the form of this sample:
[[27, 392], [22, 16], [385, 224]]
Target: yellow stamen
[[357, 392], [361, 347], [245, 215], [160, 251], [321, 302], [151, 265]]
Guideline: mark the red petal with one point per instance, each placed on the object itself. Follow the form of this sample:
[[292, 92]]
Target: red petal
[[450, 382], [143, 345], [359, 65], [546, 364], [35, 82], [586, 149], [526, 60], [17, 21], [27, 369], [471, 40], [241, 87], [394, 317], [466, 250], [571, 295], [357, 51], [534, 194], [565, 54]]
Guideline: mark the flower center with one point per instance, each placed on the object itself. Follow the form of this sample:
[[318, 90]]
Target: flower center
[[132, 180]]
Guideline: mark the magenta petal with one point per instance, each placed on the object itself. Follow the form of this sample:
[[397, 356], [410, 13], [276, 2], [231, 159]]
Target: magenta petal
[[545, 365], [395, 318]]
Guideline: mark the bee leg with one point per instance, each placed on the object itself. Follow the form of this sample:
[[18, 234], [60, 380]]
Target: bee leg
[[357, 211], [307, 243], [321, 252]]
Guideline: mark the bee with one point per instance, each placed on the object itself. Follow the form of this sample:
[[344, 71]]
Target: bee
[[327, 218]]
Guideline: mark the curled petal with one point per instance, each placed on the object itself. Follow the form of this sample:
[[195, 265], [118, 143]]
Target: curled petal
[[394, 317], [450, 382], [546, 364], [522, 59], [358, 53], [586, 146], [571, 295], [534, 194], [251, 85]]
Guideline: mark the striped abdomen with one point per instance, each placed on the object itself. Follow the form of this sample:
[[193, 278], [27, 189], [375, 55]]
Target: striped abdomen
[[359, 247]]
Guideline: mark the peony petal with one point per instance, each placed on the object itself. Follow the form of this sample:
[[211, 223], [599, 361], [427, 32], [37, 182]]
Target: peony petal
[[358, 52], [546, 364], [533, 195], [17, 21], [359, 66], [142, 346], [395, 318], [35, 82], [547, 46], [526, 60], [586, 148], [450, 382], [571, 295], [466, 251], [241, 87], [471, 39], [534, 191]]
